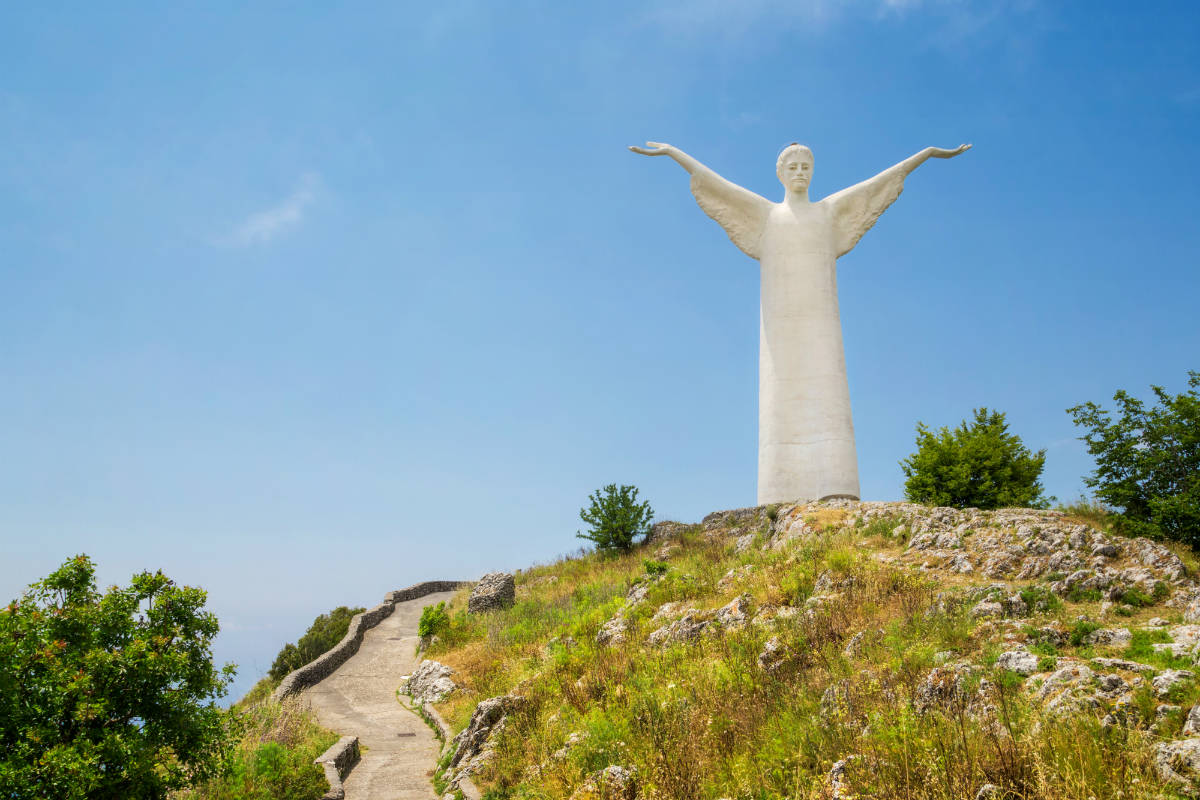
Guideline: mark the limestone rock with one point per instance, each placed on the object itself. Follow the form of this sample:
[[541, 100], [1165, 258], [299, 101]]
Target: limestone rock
[[611, 783], [1068, 689], [496, 590], [1021, 662], [429, 683], [735, 614], [671, 610], [1167, 681], [685, 629], [773, 655], [472, 747], [1121, 663], [987, 608], [1179, 763], [613, 631], [839, 785], [1191, 725], [665, 531], [860, 641], [947, 687], [1113, 637]]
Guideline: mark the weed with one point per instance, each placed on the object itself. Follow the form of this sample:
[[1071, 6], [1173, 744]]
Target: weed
[[653, 567]]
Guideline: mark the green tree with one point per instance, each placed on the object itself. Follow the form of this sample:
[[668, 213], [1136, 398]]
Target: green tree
[[615, 518], [1148, 461], [325, 631], [976, 465], [108, 695]]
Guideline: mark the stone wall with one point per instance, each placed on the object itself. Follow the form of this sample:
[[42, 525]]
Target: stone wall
[[324, 665], [336, 762]]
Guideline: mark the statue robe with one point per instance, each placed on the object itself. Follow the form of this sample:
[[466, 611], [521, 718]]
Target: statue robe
[[805, 429]]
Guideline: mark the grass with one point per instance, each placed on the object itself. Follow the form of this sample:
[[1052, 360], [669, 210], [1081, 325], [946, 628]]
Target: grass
[[274, 758], [704, 720]]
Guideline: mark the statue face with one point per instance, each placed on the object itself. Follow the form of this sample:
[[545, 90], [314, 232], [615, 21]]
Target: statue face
[[795, 169]]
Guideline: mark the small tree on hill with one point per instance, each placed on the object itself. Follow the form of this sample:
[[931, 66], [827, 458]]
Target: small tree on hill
[[980, 465], [616, 518], [1148, 461], [108, 695]]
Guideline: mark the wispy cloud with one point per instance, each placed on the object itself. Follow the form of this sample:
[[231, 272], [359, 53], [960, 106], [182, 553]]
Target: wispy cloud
[[263, 226]]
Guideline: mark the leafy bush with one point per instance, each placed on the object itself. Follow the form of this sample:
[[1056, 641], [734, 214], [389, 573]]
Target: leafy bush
[[980, 465], [1080, 631], [616, 518], [1148, 461], [108, 695], [434, 620], [655, 567], [325, 632]]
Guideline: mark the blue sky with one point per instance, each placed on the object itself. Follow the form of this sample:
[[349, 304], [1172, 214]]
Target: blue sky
[[304, 303]]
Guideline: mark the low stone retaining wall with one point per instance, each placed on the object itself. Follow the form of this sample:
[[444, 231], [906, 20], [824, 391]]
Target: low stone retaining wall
[[324, 665], [337, 761]]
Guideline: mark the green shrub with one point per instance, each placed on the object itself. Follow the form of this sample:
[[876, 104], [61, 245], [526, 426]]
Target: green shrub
[[615, 518], [325, 631], [1133, 596], [435, 620], [1148, 461], [979, 465], [1040, 598], [108, 695], [655, 567], [1079, 594], [1080, 631]]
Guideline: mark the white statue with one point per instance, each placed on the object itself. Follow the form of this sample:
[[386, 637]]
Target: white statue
[[805, 431]]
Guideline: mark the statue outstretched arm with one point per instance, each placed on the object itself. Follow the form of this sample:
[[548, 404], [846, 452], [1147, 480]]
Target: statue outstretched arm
[[740, 212], [856, 208]]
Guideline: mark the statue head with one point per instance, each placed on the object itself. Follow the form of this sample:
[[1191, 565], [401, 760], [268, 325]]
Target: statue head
[[795, 167]]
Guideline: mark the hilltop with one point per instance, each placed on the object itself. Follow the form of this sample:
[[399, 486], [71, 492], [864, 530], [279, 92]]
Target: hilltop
[[834, 650]]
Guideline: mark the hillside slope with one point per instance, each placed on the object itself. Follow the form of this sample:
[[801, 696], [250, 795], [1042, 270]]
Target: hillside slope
[[837, 650]]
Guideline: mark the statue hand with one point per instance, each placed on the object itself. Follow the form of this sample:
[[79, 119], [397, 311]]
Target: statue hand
[[653, 149], [937, 152]]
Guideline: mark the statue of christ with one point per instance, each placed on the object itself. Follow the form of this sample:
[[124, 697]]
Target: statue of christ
[[805, 431]]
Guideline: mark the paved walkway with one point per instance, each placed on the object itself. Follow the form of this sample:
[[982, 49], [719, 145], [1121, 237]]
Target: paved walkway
[[400, 751]]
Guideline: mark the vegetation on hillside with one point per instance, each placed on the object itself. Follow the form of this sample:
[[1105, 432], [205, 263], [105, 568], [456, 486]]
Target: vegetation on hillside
[[273, 757], [108, 694], [325, 632], [858, 654], [976, 465], [1148, 461]]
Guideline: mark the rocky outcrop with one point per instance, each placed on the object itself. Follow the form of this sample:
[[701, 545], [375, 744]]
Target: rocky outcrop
[[429, 683], [611, 783], [613, 631], [1019, 661], [685, 629], [494, 591], [473, 747], [1178, 763]]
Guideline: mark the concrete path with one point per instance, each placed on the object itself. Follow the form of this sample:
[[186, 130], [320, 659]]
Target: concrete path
[[400, 751]]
